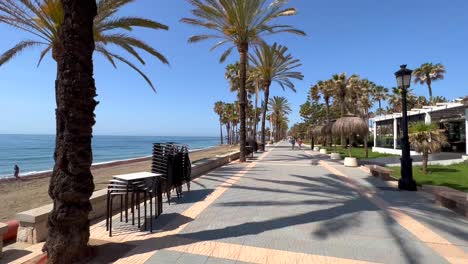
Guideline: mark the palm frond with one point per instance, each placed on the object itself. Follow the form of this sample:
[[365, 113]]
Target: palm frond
[[18, 48], [43, 53], [131, 65]]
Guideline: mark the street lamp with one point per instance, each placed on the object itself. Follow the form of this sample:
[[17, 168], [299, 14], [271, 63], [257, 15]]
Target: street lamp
[[406, 181]]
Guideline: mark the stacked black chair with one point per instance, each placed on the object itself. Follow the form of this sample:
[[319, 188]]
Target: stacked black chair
[[173, 162], [122, 190]]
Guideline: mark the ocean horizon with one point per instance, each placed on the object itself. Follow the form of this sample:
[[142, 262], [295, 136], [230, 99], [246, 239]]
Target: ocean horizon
[[34, 153]]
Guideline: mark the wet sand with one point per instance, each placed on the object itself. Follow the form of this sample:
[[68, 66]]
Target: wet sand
[[18, 196]]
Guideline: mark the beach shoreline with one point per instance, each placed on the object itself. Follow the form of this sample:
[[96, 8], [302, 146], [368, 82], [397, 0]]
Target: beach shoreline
[[103, 164], [32, 191]]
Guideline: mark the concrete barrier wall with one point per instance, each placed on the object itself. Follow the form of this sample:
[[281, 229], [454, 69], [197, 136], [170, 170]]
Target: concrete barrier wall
[[3, 230], [33, 223]]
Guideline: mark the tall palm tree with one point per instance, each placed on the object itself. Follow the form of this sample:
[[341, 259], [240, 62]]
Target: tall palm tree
[[426, 139], [361, 94], [341, 90], [239, 23], [379, 94], [218, 109], [427, 73], [228, 112], [71, 184], [279, 108], [44, 18], [324, 89], [274, 64]]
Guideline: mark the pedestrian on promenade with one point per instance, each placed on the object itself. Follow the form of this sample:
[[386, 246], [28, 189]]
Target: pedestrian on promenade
[[293, 142], [299, 143], [17, 172]]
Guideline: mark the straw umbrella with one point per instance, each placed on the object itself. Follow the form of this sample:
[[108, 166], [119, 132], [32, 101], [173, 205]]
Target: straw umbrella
[[316, 132], [349, 125]]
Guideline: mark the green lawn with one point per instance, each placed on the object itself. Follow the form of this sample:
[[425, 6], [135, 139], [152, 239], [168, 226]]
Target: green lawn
[[454, 176], [358, 152]]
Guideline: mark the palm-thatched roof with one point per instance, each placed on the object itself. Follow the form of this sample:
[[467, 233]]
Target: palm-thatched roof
[[350, 124]]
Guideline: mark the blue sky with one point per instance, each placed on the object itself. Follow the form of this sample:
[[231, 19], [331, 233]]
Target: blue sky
[[368, 37]]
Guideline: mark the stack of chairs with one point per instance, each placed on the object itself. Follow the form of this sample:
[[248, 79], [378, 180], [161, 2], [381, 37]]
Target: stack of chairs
[[120, 189], [173, 162]]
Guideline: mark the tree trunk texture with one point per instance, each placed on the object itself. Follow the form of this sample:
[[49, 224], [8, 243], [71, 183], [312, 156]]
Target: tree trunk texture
[[327, 113], [425, 157], [264, 112], [342, 110], [243, 49], [221, 129], [429, 86], [256, 115], [71, 184]]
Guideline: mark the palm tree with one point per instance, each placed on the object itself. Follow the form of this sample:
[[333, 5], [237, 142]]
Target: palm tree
[[426, 139], [395, 100], [274, 64], [379, 94], [44, 19], [228, 112], [279, 108], [427, 73], [341, 86], [71, 184], [324, 89], [218, 109], [240, 23], [361, 90]]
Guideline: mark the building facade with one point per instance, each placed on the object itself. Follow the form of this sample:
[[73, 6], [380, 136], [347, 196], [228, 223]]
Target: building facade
[[451, 117]]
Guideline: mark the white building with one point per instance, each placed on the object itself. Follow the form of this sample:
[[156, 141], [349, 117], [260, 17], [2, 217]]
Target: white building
[[453, 117]]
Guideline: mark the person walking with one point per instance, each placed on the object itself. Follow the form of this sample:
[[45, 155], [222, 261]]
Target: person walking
[[299, 143], [293, 142], [17, 172]]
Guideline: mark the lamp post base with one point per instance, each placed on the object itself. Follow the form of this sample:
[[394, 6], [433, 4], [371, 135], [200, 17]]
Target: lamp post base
[[407, 184], [406, 181]]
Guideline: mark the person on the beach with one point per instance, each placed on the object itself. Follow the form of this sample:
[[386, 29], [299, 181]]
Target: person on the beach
[[299, 143], [17, 171], [293, 142]]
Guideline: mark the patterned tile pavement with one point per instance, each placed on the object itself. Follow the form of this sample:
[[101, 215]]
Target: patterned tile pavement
[[295, 206]]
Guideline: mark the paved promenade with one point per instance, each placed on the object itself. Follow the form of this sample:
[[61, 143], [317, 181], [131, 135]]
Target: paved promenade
[[288, 206]]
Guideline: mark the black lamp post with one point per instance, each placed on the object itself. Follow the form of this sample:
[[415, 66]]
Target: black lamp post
[[406, 181]]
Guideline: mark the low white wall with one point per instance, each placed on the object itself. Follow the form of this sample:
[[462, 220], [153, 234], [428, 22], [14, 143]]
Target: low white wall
[[391, 151]]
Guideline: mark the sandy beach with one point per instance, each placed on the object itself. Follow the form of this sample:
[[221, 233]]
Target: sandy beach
[[18, 196]]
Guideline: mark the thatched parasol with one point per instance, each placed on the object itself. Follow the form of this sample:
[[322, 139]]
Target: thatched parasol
[[349, 125]]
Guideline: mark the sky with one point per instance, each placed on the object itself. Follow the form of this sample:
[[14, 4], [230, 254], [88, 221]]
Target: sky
[[366, 37]]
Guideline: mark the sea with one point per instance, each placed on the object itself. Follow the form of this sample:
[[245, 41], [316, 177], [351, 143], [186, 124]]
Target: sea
[[34, 153]]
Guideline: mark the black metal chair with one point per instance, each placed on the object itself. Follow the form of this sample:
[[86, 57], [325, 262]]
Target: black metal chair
[[121, 189]]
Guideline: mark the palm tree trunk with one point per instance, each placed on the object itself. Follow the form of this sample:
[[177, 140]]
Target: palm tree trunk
[[256, 115], [342, 110], [327, 113], [429, 87], [221, 129], [425, 157], [265, 109], [243, 49], [71, 184]]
